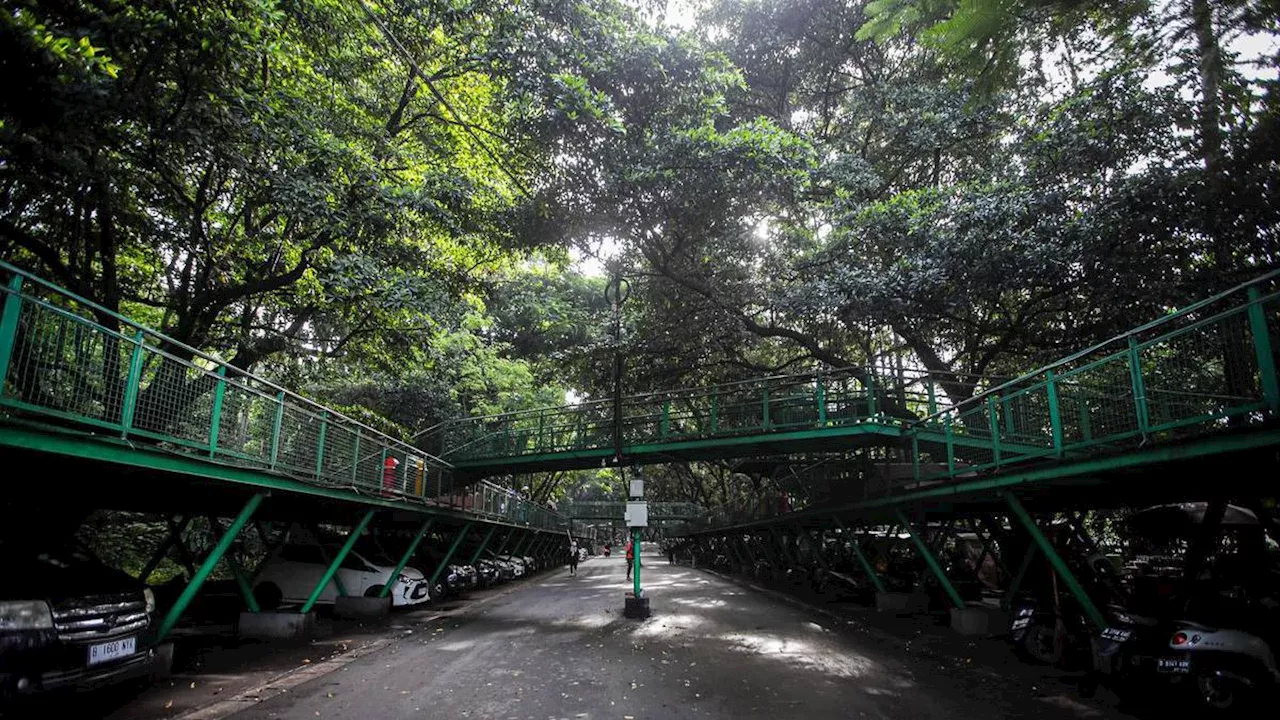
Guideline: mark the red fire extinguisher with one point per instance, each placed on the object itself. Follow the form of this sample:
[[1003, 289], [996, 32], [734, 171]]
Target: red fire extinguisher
[[389, 475]]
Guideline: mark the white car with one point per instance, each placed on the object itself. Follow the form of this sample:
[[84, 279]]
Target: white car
[[292, 572]]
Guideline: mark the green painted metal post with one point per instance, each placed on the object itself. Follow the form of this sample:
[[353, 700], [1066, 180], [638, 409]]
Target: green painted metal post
[[871, 395], [1055, 411], [324, 430], [1139, 389], [206, 568], [664, 427], [951, 450], [9, 326], [635, 570], [237, 572], [541, 428], [995, 429], [931, 561], [523, 543], [444, 563], [404, 559], [1023, 567], [1059, 565], [483, 544], [765, 407], [820, 394], [715, 409], [131, 385], [933, 397], [162, 550], [862, 559], [215, 425], [334, 564], [1261, 347], [503, 545], [276, 427]]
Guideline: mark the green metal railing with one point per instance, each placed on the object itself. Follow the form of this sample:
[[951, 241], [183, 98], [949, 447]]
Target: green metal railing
[[760, 407], [66, 361], [615, 510]]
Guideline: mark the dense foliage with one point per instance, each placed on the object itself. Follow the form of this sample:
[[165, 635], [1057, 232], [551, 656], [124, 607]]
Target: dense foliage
[[380, 201]]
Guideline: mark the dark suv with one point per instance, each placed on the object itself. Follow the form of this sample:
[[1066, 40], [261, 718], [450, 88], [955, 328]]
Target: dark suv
[[67, 621]]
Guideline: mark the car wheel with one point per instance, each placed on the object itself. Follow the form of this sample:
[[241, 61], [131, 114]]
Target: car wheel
[[268, 596], [1220, 693], [373, 591]]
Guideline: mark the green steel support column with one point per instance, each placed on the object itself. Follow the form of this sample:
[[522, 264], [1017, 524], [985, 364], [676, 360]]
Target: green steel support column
[[915, 457], [524, 541], [765, 401], [862, 559], [1261, 348], [933, 397], [1055, 411], [541, 428], [1086, 425], [821, 396], [1139, 390], [9, 326], [332, 570], [782, 547], [483, 544], [337, 579], [1059, 565], [951, 451], [237, 572], [502, 546], [715, 409], [162, 550], [1009, 426], [931, 561], [871, 395], [404, 559], [635, 570], [276, 426], [1017, 579], [220, 549], [444, 562], [664, 427], [219, 392], [324, 430], [131, 385], [995, 428]]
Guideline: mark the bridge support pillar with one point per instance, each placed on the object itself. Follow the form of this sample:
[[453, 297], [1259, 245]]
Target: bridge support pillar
[[331, 572], [404, 559], [931, 561], [1059, 565], [206, 568], [862, 560], [444, 562]]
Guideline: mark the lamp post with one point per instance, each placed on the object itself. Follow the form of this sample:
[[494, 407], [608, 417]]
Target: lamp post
[[636, 604]]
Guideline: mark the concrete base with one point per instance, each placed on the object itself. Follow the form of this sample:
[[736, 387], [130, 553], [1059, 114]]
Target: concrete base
[[636, 607], [979, 621], [356, 607], [902, 603], [276, 625]]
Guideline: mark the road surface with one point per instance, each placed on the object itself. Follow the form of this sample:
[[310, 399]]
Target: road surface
[[560, 648]]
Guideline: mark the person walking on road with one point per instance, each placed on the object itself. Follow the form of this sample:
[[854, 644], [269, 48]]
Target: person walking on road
[[573, 557], [631, 557]]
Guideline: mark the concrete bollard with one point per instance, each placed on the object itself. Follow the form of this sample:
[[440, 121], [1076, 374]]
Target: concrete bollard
[[356, 607], [979, 620], [276, 625]]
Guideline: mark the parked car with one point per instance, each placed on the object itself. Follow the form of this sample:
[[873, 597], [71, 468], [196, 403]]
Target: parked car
[[67, 621], [293, 571]]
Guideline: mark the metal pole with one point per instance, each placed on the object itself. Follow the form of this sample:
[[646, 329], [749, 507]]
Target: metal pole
[[449, 555], [242, 581], [9, 326], [862, 559], [483, 544], [206, 568], [404, 559], [931, 561], [337, 561], [162, 549], [1059, 565], [635, 539]]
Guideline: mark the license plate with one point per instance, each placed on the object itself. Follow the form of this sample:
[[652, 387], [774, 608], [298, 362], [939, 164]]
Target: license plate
[[1173, 665], [1117, 634], [113, 650], [1021, 623]]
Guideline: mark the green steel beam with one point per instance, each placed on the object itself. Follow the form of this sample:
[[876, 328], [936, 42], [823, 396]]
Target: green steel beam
[[404, 558], [132, 384], [162, 550], [215, 423], [449, 555], [930, 560], [1059, 565], [503, 545], [324, 553], [862, 559], [237, 572], [483, 544], [1016, 584], [220, 549], [331, 572], [184, 555]]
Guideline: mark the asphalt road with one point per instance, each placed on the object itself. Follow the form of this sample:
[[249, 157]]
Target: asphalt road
[[560, 648]]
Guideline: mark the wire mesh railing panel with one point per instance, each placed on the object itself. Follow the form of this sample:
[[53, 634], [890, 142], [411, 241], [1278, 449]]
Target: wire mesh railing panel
[[246, 425]]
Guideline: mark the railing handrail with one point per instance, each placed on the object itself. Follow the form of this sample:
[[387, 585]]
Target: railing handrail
[[1124, 336], [218, 362]]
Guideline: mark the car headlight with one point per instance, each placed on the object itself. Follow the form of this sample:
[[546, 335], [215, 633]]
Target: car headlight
[[150, 597], [25, 615]]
